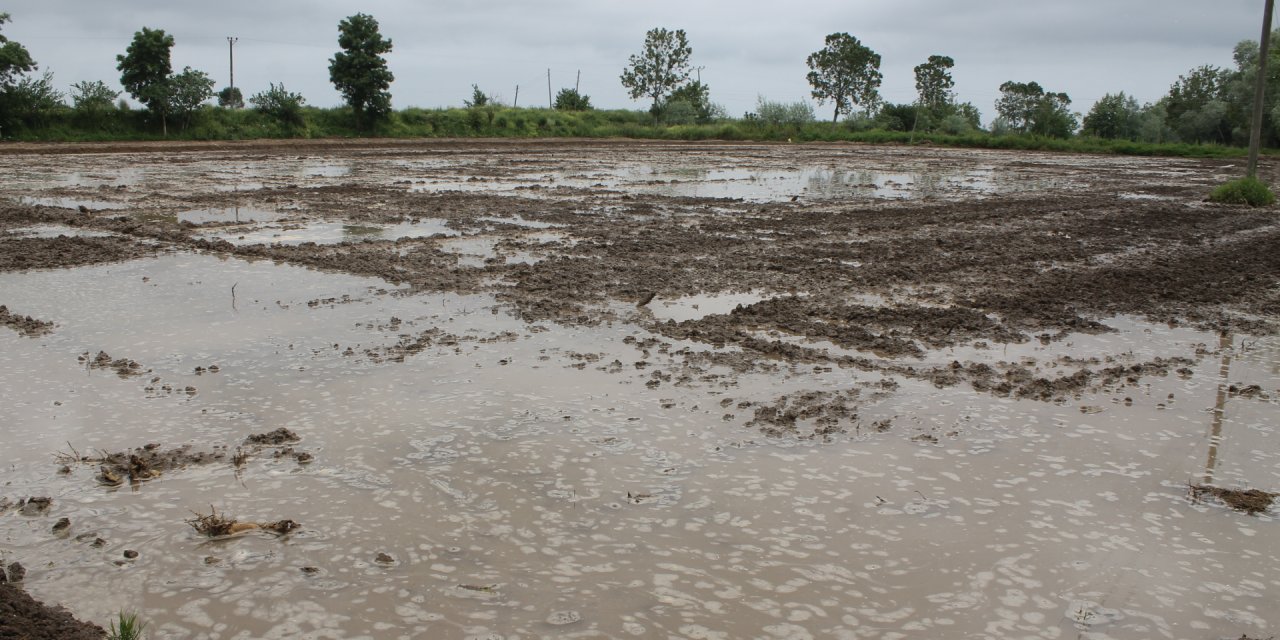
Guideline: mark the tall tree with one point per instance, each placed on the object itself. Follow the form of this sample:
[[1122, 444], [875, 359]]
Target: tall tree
[[15, 64], [846, 73], [1115, 116], [1025, 107], [145, 69], [14, 59], [934, 84], [1198, 106], [661, 67], [359, 71]]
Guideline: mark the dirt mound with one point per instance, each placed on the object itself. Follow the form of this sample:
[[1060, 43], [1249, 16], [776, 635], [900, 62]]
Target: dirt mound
[[45, 253], [273, 438], [123, 367], [25, 325], [147, 462], [22, 617], [827, 413]]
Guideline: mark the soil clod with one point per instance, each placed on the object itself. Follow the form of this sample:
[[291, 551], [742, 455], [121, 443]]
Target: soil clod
[[35, 506], [25, 325], [272, 438]]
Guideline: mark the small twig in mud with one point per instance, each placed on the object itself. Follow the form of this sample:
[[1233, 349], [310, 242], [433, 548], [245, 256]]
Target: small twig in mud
[[216, 525], [1251, 501], [67, 458], [233, 296]]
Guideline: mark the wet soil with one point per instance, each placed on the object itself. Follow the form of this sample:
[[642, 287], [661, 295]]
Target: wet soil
[[941, 270], [812, 314], [24, 618], [25, 325]]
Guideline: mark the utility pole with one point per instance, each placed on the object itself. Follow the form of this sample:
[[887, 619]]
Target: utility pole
[[550, 104], [231, 55], [578, 81], [1255, 133], [515, 103]]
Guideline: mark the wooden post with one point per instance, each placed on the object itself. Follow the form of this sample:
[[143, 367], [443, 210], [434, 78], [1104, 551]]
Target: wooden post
[[1259, 93]]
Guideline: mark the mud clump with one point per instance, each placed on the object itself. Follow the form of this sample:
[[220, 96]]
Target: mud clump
[[24, 325], [828, 412], [217, 525], [15, 572], [1250, 501], [34, 506], [273, 438], [123, 367], [147, 462]]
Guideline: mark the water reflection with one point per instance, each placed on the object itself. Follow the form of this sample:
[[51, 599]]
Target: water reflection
[[1219, 407]]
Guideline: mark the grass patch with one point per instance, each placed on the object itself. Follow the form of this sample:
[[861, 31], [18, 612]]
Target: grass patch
[[128, 627], [1250, 191]]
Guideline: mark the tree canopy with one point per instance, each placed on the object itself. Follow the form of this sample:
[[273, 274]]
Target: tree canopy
[[1114, 116], [846, 73], [187, 91], [934, 84], [145, 69], [359, 72], [659, 68], [1025, 107], [14, 58]]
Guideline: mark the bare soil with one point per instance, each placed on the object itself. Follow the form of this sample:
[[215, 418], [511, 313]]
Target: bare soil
[[24, 618]]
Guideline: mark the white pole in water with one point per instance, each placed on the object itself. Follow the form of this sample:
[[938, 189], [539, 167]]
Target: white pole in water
[[1255, 133]]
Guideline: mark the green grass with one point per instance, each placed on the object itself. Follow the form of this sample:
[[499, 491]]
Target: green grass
[[212, 123], [1250, 191], [130, 628]]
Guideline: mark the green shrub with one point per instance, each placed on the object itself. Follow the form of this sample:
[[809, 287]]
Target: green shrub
[[283, 105], [1250, 191]]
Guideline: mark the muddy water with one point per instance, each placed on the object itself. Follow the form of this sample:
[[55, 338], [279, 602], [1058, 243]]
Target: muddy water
[[523, 487]]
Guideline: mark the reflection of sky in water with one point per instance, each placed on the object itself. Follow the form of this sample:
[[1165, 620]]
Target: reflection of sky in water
[[231, 214], [761, 185], [333, 232], [521, 495], [67, 202]]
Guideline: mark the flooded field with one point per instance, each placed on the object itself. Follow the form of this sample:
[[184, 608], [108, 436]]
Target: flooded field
[[572, 389]]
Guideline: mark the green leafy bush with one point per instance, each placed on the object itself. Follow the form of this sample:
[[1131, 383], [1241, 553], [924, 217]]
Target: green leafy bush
[[280, 104], [1250, 191]]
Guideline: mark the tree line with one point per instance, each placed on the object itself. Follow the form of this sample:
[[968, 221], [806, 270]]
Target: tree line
[[1206, 105]]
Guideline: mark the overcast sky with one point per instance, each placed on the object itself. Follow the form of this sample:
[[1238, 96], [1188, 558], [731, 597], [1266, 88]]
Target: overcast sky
[[746, 48]]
